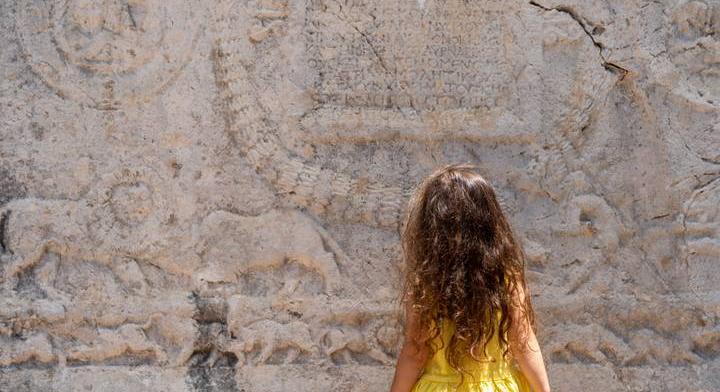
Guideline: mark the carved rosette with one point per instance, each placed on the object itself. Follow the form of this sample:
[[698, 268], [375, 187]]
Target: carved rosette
[[130, 212]]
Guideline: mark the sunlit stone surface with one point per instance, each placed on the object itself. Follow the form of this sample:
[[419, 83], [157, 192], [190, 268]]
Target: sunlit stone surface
[[205, 196]]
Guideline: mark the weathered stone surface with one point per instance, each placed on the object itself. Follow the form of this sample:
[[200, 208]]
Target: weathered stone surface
[[205, 196]]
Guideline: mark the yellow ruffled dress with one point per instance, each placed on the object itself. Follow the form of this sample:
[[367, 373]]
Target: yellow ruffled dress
[[491, 375]]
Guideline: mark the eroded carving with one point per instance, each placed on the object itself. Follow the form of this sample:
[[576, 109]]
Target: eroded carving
[[233, 245], [271, 336], [126, 217], [36, 347], [322, 190], [108, 53], [98, 316], [126, 340], [344, 340], [693, 45], [700, 233], [669, 330]]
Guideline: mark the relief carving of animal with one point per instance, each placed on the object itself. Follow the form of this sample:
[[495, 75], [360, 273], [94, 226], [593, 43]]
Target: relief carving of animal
[[346, 339], [125, 217], [272, 336], [234, 244]]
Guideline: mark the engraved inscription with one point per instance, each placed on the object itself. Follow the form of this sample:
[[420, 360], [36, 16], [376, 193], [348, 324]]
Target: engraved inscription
[[393, 54]]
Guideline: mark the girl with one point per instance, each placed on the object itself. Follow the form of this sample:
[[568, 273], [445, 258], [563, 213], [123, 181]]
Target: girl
[[469, 322]]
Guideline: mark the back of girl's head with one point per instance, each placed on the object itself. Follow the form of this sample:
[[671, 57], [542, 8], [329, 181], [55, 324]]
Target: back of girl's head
[[462, 261]]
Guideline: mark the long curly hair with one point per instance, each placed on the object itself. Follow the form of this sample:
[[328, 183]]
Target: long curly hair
[[463, 263]]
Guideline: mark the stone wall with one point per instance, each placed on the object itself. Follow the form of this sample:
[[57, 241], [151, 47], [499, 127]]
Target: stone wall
[[205, 196]]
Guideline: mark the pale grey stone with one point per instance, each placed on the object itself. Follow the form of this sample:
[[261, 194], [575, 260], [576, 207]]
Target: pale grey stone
[[206, 196]]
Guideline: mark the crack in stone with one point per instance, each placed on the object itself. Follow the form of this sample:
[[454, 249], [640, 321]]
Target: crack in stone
[[364, 35], [249, 129], [607, 64], [4, 218], [622, 71], [376, 53]]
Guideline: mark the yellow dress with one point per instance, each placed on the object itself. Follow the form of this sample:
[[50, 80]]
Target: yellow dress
[[491, 375]]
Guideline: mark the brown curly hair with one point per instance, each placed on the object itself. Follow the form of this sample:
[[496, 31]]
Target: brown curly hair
[[463, 263]]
